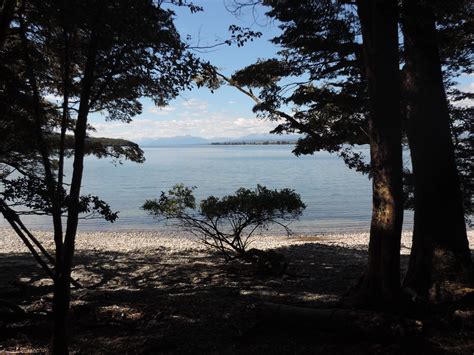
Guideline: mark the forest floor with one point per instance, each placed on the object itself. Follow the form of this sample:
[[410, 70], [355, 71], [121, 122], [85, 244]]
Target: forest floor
[[154, 293]]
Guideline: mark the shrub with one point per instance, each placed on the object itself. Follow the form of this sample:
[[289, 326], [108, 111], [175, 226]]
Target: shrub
[[227, 224]]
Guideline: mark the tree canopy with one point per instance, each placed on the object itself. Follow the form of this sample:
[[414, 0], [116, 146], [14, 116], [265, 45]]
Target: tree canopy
[[93, 57], [316, 84]]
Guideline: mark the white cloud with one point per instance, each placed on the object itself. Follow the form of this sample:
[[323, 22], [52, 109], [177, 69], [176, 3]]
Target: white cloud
[[190, 117], [195, 104], [215, 125]]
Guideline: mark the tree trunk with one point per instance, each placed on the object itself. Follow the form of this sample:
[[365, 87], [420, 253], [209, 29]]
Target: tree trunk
[[61, 301], [61, 285], [440, 252], [380, 285], [62, 292]]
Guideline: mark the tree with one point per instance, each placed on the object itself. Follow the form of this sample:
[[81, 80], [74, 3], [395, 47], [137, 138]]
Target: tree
[[332, 108], [21, 187], [97, 56], [319, 74], [228, 224], [380, 285], [439, 236]]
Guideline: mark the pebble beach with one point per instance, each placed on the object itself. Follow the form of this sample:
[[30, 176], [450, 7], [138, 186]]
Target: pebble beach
[[177, 242], [154, 289]]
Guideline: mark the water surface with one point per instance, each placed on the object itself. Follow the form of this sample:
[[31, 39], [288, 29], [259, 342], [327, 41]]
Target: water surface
[[337, 198]]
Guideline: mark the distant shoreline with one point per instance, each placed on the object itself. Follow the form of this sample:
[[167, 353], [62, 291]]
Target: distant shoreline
[[216, 144], [255, 143]]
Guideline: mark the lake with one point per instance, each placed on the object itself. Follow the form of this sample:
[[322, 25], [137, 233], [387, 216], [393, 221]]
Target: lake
[[337, 198]]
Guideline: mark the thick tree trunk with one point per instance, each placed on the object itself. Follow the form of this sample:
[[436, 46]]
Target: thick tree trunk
[[380, 285], [61, 301], [440, 252]]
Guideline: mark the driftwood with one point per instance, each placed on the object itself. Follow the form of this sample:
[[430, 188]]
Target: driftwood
[[343, 321]]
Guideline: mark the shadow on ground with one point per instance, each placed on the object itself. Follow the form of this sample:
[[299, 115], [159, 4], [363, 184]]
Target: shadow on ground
[[157, 301]]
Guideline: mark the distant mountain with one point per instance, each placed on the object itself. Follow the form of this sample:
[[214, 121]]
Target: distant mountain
[[266, 137], [178, 140], [193, 140]]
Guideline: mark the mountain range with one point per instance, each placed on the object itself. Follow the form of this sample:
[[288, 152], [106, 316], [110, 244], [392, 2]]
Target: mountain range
[[193, 140]]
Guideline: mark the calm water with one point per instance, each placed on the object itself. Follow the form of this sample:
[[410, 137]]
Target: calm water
[[337, 198]]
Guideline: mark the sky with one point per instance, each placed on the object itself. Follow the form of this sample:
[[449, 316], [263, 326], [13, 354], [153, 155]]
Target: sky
[[224, 113]]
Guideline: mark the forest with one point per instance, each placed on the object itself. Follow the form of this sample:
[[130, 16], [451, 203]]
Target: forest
[[347, 73]]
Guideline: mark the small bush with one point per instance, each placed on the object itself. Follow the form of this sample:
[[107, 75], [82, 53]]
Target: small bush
[[228, 224]]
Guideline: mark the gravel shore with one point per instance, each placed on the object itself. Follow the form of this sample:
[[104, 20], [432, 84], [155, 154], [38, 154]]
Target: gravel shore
[[134, 241], [166, 293]]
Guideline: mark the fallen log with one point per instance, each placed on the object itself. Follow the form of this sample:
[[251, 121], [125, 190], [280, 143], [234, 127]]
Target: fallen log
[[342, 321]]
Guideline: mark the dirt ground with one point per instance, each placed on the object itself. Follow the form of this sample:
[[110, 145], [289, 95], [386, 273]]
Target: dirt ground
[[161, 299]]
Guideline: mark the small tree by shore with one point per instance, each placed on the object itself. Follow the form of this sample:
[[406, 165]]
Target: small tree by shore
[[228, 224]]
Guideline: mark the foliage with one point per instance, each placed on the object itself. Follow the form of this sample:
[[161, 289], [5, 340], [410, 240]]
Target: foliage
[[461, 126], [455, 38], [23, 186], [319, 76], [62, 61], [48, 50], [227, 224]]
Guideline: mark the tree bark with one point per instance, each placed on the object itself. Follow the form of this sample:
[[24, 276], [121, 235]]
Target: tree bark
[[379, 287], [440, 247]]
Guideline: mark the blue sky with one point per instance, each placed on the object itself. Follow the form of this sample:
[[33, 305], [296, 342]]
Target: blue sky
[[224, 113]]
